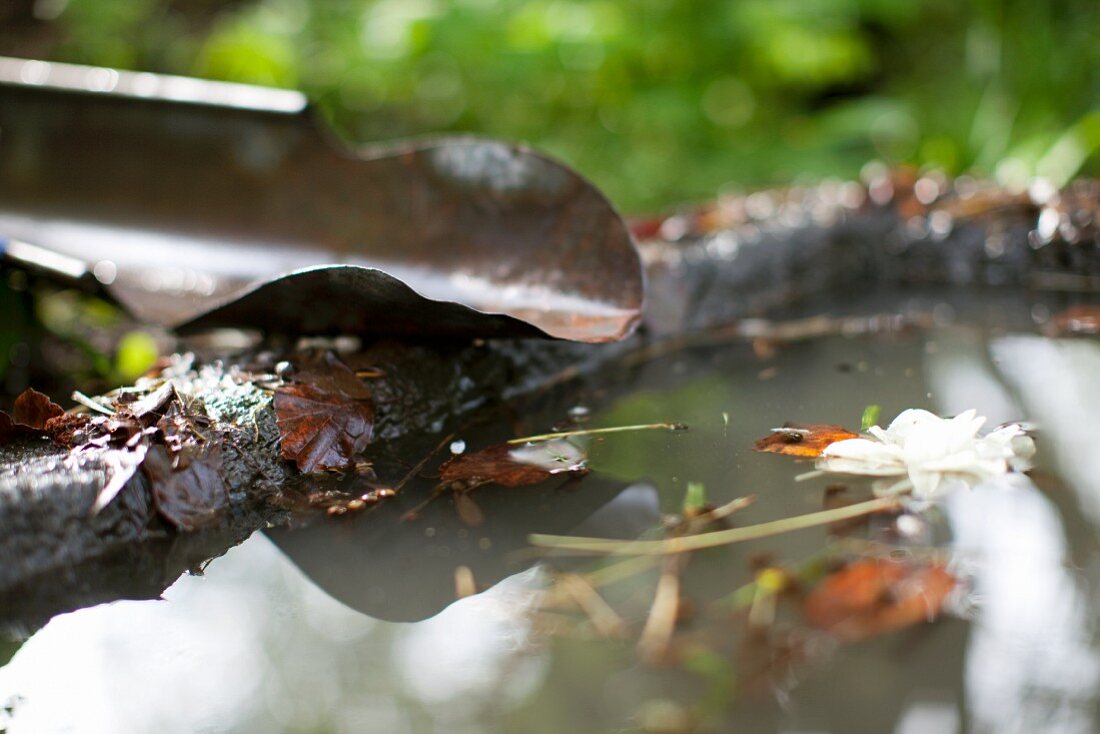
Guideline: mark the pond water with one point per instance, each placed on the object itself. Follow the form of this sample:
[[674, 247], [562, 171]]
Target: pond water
[[352, 624]]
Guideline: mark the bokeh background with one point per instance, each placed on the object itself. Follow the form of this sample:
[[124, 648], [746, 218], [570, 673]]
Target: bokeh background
[[658, 101]]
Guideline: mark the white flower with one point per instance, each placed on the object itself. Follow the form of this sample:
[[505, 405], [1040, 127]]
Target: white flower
[[929, 455]]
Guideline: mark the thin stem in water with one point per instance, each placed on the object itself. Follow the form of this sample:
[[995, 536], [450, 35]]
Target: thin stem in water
[[711, 540], [591, 431]]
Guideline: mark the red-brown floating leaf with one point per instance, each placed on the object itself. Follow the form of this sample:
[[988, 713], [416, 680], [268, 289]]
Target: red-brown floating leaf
[[189, 496], [871, 597], [1082, 319], [514, 466], [803, 440], [326, 421], [29, 416]]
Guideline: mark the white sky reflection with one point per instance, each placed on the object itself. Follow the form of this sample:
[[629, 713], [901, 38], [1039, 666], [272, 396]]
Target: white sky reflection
[[256, 647], [1031, 661]]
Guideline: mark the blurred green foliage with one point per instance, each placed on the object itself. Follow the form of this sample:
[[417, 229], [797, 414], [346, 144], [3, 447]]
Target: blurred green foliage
[[659, 101]]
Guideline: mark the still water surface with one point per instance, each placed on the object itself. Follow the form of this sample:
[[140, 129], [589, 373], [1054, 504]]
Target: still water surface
[[352, 625]]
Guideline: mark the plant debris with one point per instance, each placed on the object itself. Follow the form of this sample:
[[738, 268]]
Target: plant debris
[[325, 417], [873, 596], [188, 492], [594, 431], [802, 440], [686, 544], [30, 416], [511, 466], [1076, 320]]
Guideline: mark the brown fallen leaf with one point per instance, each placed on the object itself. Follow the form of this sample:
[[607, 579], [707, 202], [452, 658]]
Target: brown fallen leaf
[[513, 466], [30, 414], [189, 495], [1081, 319], [872, 597], [325, 417], [802, 440]]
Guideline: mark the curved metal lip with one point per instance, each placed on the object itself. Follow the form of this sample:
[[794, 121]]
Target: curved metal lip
[[448, 316], [103, 80], [609, 296]]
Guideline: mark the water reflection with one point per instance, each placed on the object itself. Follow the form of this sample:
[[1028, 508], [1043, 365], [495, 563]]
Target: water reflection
[[1032, 661], [352, 625]]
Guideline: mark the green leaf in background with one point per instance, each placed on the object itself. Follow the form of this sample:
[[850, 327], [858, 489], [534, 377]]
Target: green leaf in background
[[136, 353], [658, 102]]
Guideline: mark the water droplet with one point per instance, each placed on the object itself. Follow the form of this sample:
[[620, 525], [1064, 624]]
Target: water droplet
[[579, 413], [457, 447]]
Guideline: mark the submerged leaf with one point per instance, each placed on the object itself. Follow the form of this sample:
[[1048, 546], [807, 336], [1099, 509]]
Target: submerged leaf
[[514, 466], [872, 597], [803, 440], [325, 418]]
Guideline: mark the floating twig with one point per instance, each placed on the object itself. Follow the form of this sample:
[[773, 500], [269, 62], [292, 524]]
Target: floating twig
[[723, 511], [591, 431], [714, 539]]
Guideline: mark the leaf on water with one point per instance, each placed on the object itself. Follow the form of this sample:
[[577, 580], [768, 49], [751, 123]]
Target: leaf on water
[[1081, 319], [325, 417], [190, 494], [514, 466], [872, 597], [802, 440], [30, 414]]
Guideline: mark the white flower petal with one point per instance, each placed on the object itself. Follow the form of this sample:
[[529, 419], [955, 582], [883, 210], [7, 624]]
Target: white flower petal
[[932, 454]]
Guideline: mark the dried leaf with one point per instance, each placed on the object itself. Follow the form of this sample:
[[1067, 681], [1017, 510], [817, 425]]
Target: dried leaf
[[803, 440], [325, 418], [872, 597], [189, 496], [33, 409], [30, 413], [514, 466]]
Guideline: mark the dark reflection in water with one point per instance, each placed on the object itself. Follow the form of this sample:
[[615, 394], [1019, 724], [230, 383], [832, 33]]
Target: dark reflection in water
[[351, 625]]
